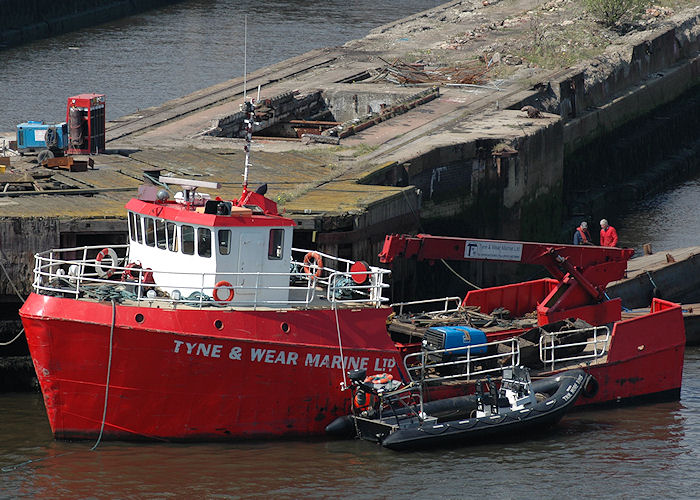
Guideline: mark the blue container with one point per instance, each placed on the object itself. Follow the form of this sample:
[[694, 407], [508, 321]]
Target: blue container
[[36, 136], [449, 337]]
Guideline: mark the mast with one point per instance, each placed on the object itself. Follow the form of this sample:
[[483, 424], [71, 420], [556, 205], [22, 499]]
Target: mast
[[249, 109]]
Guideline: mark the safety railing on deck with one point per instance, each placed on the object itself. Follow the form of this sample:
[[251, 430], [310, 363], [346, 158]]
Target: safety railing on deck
[[438, 365], [582, 344], [449, 304], [71, 272]]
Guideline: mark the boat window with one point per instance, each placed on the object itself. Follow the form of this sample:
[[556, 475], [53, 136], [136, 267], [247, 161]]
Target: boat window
[[204, 242], [139, 231], [224, 241], [160, 233], [187, 233], [150, 234], [132, 226], [274, 249], [172, 239]]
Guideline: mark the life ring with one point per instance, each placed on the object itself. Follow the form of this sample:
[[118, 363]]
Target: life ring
[[380, 378], [313, 264], [590, 387], [220, 286], [103, 271], [132, 272]]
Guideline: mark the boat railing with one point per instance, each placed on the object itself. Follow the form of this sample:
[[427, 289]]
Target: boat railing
[[74, 272], [449, 304], [464, 362], [582, 344]]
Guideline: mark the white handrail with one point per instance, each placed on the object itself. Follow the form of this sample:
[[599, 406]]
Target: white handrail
[[445, 309], [50, 277], [597, 337], [417, 364]]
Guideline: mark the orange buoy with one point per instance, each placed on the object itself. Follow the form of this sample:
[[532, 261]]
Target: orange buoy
[[313, 264], [359, 272], [220, 287]]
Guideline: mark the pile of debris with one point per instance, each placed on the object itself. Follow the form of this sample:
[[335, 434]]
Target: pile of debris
[[402, 73]]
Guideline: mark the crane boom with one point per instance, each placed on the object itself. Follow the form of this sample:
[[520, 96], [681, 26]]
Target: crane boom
[[582, 272]]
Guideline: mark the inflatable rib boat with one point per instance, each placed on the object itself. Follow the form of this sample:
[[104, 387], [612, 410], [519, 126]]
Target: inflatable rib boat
[[517, 407]]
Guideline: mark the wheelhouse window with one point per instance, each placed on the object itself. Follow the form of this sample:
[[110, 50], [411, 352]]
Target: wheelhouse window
[[139, 231], [132, 226], [172, 238], [187, 237], [224, 241], [150, 232], [204, 242], [160, 233], [276, 244]]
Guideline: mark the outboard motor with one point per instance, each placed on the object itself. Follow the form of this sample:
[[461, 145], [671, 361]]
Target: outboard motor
[[368, 389]]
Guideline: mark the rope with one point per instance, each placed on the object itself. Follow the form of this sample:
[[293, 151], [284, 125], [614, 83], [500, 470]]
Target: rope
[[460, 276], [109, 369], [8, 276], [651, 279], [10, 468], [16, 337], [340, 345], [420, 226]]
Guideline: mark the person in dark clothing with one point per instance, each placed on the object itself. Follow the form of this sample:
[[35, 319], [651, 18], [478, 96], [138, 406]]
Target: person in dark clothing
[[582, 236]]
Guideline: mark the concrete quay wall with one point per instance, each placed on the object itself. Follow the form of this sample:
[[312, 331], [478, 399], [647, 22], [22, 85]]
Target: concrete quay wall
[[23, 21]]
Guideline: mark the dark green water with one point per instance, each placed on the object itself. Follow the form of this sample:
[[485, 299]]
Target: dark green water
[[646, 451]]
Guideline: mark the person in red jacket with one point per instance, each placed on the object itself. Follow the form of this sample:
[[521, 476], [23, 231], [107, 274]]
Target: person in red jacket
[[608, 235]]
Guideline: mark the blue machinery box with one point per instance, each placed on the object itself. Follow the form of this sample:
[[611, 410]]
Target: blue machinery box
[[37, 136], [449, 337]]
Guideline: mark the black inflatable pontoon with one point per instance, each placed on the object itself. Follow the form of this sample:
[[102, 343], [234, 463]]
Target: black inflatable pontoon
[[517, 407]]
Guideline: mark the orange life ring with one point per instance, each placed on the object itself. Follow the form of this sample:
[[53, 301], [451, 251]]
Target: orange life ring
[[132, 272], [223, 285], [313, 268], [380, 378], [108, 272]]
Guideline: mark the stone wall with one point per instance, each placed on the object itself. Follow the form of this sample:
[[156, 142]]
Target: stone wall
[[20, 239]]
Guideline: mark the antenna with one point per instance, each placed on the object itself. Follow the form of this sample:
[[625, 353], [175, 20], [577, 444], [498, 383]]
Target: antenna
[[245, 56], [250, 118]]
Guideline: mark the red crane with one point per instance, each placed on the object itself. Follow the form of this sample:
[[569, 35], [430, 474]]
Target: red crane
[[581, 272]]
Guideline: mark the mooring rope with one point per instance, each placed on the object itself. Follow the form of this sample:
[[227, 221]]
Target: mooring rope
[[18, 295], [8, 276], [340, 345], [16, 337], [109, 369]]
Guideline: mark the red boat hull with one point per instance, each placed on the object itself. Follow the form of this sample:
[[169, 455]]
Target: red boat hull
[[215, 374], [645, 356], [242, 377]]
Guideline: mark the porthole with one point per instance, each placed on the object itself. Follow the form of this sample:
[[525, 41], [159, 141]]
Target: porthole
[[285, 327], [139, 318], [219, 324]]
